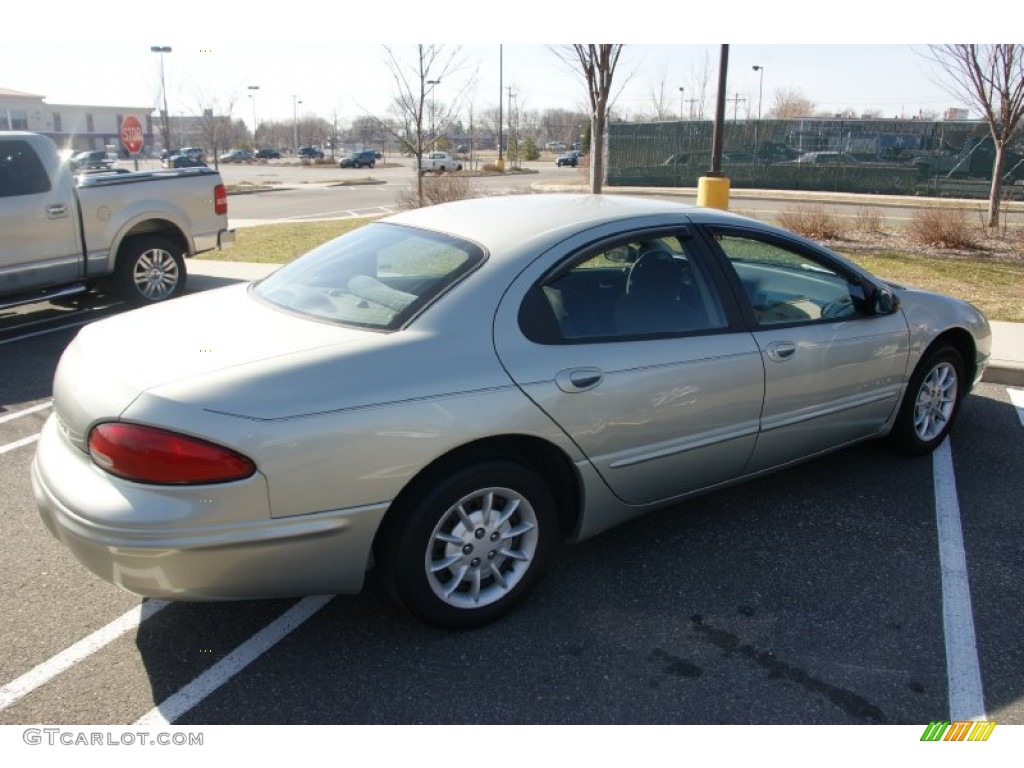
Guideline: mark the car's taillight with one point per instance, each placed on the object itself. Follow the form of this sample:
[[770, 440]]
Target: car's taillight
[[220, 200], [151, 455]]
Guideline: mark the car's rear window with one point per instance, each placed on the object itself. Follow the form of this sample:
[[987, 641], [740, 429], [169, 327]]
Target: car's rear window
[[378, 276]]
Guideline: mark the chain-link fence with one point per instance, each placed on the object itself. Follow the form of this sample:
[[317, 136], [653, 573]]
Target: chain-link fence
[[900, 157]]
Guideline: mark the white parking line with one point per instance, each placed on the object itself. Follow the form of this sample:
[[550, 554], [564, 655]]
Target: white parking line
[[25, 412], [67, 658], [43, 333], [966, 701], [1017, 398], [18, 444], [244, 655]]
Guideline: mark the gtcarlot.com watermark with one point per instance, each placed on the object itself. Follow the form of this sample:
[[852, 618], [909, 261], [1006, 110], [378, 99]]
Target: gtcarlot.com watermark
[[74, 737]]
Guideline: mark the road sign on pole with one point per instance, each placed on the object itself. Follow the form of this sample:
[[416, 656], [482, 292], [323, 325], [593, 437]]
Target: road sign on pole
[[131, 134], [131, 137]]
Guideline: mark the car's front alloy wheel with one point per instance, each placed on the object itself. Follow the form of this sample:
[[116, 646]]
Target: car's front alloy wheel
[[931, 402], [471, 546]]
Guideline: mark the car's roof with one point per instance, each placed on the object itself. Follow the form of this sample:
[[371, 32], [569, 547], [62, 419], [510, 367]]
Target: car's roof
[[497, 222]]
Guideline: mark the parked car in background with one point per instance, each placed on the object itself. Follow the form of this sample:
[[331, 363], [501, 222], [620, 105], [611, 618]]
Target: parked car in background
[[680, 158], [365, 158], [439, 162], [268, 154], [571, 158], [623, 354], [179, 160], [89, 159], [196, 153], [236, 156], [823, 158], [556, 146], [311, 153]]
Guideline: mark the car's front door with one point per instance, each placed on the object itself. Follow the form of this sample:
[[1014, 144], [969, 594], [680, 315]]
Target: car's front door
[[631, 349], [833, 369], [40, 245]]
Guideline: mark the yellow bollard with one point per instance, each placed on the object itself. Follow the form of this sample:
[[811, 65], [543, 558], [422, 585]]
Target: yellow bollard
[[713, 192]]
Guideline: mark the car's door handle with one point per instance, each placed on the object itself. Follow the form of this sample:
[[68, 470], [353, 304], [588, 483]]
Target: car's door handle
[[56, 211], [578, 379], [781, 351]]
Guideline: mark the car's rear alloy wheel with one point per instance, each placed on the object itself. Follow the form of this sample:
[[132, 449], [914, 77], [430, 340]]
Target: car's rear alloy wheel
[[473, 546], [931, 402]]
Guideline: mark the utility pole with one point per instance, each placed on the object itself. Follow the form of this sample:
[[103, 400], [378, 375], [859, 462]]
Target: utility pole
[[735, 105], [501, 72]]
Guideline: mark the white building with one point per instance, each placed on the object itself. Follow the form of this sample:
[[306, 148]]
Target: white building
[[71, 126]]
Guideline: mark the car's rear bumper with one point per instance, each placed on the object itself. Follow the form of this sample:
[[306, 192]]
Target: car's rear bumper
[[220, 240], [171, 543]]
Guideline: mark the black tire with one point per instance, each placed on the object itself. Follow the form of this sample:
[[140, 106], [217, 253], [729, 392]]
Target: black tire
[[149, 269], [931, 402], [464, 550], [373, 163]]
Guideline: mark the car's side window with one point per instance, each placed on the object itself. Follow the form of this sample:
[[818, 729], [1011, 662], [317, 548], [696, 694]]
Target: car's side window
[[787, 285], [639, 288], [21, 172]]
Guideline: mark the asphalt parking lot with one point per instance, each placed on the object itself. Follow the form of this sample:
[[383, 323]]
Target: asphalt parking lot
[[826, 594]]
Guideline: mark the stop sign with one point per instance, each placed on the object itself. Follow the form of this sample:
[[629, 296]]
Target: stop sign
[[131, 134]]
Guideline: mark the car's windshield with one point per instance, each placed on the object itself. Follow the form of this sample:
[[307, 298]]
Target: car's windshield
[[378, 276]]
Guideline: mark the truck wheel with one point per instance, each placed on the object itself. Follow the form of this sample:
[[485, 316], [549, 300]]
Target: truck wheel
[[149, 269]]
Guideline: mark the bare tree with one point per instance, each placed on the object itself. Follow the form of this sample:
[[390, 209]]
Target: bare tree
[[414, 85], [699, 83], [596, 63], [791, 103], [991, 79], [662, 98], [216, 129], [367, 128]]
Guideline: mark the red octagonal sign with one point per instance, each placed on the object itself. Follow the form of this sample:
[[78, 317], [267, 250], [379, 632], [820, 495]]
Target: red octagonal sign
[[131, 134]]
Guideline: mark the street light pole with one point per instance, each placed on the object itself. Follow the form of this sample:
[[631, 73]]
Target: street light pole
[[162, 49], [681, 90], [433, 104], [295, 122], [760, 91], [253, 97]]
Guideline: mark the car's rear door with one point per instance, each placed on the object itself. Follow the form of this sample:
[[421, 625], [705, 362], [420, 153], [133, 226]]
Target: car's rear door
[[659, 412]]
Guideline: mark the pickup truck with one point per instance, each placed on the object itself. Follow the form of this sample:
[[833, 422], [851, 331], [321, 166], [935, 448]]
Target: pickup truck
[[439, 162], [64, 233]]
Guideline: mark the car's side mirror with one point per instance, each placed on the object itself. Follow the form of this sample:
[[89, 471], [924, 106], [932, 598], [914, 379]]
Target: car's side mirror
[[884, 302]]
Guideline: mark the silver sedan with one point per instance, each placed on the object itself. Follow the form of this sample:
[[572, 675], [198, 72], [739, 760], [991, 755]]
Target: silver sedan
[[451, 393]]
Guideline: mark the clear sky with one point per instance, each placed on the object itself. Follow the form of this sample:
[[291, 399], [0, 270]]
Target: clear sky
[[862, 56]]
